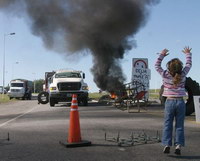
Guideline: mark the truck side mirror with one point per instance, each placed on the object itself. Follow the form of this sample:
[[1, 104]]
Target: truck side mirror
[[83, 75]]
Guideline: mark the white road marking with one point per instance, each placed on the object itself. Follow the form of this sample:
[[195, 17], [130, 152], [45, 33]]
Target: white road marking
[[3, 124]]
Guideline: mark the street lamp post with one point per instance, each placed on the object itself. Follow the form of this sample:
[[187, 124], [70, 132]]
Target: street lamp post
[[4, 58], [34, 83], [34, 86]]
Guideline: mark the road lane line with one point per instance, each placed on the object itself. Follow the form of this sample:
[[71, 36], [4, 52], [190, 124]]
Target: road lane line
[[1, 125]]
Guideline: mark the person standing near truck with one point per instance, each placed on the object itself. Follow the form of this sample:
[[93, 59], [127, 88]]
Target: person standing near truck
[[174, 89]]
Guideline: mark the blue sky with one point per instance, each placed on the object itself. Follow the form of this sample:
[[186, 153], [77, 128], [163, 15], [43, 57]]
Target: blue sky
[[172, 24]]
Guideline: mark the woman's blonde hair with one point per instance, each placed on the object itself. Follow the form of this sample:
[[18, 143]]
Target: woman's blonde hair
[[175, 67]]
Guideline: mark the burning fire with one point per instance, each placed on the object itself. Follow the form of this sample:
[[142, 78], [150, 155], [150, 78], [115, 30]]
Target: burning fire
[[113, 95]]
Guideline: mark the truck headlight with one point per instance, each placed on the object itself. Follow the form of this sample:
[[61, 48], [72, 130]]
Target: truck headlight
[[85, 88], [53, 88]]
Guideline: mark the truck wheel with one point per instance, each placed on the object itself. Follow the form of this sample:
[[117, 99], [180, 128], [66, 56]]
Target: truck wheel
[[43, 97], [192, 88], [52, 102], [29, 96], [85, 102]]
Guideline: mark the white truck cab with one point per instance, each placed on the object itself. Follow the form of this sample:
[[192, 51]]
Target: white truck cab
[[64, 83]]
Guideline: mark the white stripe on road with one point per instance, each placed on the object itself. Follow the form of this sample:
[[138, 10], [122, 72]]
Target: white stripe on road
[[1, 125]]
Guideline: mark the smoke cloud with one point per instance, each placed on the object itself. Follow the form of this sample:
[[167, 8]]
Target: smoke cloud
[[102, 26]]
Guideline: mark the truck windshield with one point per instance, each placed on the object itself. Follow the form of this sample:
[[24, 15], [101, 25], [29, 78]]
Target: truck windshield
[[68, 75], [17, 85]]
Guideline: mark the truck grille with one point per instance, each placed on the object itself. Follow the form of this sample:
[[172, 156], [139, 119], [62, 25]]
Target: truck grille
[[15, 90], [69, 86]]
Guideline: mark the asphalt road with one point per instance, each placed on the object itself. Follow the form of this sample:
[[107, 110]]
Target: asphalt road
[[36, 130]]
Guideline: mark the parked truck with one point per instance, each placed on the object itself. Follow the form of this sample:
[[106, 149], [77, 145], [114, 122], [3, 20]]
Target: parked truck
[[20, 88], [60, 85]]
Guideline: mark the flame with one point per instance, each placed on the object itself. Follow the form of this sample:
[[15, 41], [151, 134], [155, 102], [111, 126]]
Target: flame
[[113, 95]]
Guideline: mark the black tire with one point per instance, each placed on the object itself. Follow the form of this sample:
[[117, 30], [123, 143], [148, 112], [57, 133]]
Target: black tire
[[192, 88], [52, 102], [43, 97], [25, 97], [29, 96], [85, 102]]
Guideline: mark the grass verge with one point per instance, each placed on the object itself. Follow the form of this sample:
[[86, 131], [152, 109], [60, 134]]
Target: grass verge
[[4, 98]]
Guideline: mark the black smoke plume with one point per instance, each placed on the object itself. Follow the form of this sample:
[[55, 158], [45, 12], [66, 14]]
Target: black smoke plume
[[105, 27]]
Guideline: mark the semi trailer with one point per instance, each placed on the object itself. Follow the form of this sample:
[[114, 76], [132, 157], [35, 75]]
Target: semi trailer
[[20, 88]]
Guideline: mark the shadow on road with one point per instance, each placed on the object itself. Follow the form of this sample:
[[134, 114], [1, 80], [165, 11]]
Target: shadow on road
[[185, 157]]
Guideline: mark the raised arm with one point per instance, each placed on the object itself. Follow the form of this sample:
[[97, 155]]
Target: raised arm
[[158, 67], [188, 54]]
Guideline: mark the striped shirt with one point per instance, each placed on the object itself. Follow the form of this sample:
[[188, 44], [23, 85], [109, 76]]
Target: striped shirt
[[170, 90]]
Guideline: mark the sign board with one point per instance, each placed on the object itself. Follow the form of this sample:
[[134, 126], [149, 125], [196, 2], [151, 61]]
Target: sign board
[[140, 63], [141, 73], [197, 107]]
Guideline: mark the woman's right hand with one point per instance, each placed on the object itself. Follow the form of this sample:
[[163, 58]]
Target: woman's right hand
[[187, 49], [164, 52]]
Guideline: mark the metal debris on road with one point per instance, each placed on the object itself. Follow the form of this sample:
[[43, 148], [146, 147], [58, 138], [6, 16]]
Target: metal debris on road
[[134, 139]]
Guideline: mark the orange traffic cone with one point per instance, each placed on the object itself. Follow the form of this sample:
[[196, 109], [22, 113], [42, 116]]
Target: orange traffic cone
[[74, 135]]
